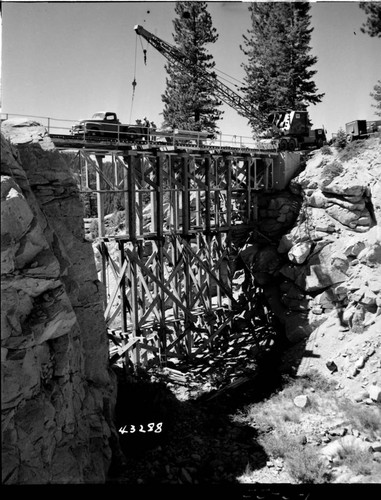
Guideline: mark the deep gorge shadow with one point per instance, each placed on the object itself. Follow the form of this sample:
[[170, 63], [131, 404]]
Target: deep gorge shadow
[[198, 442]]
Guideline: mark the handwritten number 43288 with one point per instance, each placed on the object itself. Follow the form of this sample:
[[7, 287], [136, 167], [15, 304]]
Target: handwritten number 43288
[[151, 428]]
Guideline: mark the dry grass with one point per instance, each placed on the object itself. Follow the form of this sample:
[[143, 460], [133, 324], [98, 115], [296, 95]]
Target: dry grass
[[352, 150], [326, 150], [366, 419], [280, 407], [278, 444], [331, 171], [279, 423], [360, 462], [306, 466], [303, 463]]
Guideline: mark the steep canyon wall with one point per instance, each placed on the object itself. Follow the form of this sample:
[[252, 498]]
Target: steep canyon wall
[[57, 390], [322, 277]]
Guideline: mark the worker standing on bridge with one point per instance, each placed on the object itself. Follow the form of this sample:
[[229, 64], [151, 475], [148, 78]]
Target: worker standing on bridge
[[153, 128], [147, 125]]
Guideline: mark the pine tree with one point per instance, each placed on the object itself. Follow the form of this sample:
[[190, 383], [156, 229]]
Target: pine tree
[[377, 97], [372, 26], [278, 71], [189, 100]]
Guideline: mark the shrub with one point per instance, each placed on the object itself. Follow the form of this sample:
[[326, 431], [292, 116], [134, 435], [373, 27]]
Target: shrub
[[306, 466], [316, 380], [360, 462], [94, 229], [278, 444], [340, 139], [326, 150], [303, 463], [331, 171], [364, 418], [352, 150]]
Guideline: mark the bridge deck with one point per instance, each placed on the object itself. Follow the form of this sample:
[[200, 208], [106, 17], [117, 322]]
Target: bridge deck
[[96, 144]]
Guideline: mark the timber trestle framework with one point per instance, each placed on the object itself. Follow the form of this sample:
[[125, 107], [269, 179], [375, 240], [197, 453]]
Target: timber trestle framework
[[167, 266]]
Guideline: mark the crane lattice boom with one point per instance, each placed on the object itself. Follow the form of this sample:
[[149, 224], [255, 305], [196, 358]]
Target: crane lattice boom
[[174, 55]]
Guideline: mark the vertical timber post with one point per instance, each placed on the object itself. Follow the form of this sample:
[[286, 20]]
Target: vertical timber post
[[123, 311], [132, 267], [160, 243], [208, 295], [228, 239], [185, 235], [101, 222]]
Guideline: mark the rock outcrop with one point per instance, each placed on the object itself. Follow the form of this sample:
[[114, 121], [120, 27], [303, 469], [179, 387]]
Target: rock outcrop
[[57, 391], [334, 250], [332, 275], [317, 256]]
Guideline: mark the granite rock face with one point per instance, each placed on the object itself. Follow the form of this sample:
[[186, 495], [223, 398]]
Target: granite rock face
[[57, 391], [340, 224], [328, 255]]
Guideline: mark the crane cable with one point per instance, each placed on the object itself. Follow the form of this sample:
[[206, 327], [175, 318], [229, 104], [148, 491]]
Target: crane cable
[[144, 50], [134, 81]]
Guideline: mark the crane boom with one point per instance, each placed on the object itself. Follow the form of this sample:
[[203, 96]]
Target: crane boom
[[173, 54], [293, 127]]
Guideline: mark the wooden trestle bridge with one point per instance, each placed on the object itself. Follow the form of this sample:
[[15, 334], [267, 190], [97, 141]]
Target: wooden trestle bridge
[[166, 268]]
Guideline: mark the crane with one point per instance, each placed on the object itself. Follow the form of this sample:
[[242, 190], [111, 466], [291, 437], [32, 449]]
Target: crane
[[292, 127], [174, 55]]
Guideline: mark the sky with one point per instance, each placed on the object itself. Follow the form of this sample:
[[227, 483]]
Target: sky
[[68, 60]]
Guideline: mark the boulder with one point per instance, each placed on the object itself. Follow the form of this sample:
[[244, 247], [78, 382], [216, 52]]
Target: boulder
[[346, 216], [300, 251], [376, 446], [331, 365], [352, 249], [368, 298], [301, 401], [317, 277], [361, 395], [375, 393], [371, 254], [360, 362], [248, 254], [326, 299], [346, 189], [342, 445]]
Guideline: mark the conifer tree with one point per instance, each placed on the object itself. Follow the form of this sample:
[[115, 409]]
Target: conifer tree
[[372, 26], [377, 97], [278, 71], [189, 100]]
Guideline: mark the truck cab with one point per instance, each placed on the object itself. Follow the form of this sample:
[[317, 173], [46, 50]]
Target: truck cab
[[106, 125], [105, 116]]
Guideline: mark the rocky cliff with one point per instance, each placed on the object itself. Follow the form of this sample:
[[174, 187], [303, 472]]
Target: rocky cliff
[[331, 288], [57, 391], [317, 255]]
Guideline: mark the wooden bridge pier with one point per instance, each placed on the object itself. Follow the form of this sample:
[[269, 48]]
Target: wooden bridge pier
[[167, 270]]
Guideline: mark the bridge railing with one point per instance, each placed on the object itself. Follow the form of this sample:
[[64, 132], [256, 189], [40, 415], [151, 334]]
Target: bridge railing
[[52, 125], [168, 137]]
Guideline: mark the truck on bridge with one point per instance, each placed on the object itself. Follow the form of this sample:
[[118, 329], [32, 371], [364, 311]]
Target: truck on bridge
[[105, 124]]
